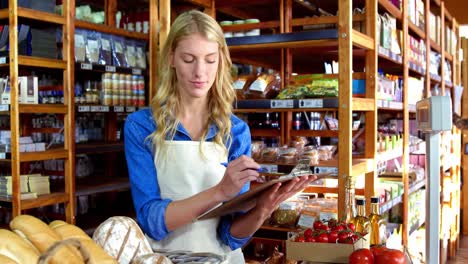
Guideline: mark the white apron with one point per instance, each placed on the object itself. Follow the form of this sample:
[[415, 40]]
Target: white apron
[[182, 174]]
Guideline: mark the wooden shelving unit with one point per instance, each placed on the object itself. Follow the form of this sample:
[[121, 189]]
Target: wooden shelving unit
[[14, 61]]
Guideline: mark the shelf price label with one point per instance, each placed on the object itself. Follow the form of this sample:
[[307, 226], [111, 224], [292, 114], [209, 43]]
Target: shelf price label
[[136, 71], [4, 107], [311, 103], [320, 169], [94, 108], [131, 109], [103, 108], [86, 66], [118, 109], [3, 60], [83, 108], [282, 103], [110, 68]]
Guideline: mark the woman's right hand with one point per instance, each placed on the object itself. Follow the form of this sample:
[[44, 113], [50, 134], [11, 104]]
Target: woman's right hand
[[238, 173]]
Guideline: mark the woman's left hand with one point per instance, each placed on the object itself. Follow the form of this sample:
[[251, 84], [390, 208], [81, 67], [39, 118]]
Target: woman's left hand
[[271, 198]]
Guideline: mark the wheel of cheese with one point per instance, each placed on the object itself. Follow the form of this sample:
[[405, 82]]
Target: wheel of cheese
[[42, 237], [122, 238], [97, 253], [153, 258], [16, 248]]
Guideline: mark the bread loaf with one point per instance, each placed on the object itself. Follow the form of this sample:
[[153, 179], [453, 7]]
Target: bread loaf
[[122, 238], [42, 237], [6, 260], [153, 258], [97, 254], [16, 248]]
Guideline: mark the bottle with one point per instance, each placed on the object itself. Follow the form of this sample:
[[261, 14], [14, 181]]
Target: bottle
[[377, 224], [360, 221], [350, 208], [296, 123]]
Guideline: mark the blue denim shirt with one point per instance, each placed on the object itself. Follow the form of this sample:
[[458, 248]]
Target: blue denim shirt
[[150, 207]]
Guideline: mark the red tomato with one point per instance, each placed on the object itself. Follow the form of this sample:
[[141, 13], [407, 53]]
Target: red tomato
[[361, 256], [300, 239], [352, 227], [322, 238], [311, 239], [343, 237], [332, 223], [338, 228], [376, 250], [308, 232], [325, 228], [318, 225], [390, 256], [333, 237]]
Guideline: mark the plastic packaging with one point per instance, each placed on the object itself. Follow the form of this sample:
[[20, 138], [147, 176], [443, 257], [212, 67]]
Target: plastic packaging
[[118, 51], [105, 54], [140, 54], [130, 53], [80, 45], [287, 213], [93, 46]]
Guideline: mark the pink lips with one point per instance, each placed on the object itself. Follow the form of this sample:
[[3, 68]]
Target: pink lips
[[198, 84]]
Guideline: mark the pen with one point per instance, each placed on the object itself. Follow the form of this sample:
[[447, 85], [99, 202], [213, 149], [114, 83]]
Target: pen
[[258, 170]]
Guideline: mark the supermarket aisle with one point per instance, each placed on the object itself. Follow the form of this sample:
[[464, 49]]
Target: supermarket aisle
[[462, 254]]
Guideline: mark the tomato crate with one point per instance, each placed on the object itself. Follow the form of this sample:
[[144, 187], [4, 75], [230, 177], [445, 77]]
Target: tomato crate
[[323, 252]]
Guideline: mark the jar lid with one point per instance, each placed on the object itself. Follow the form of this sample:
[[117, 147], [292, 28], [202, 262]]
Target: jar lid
[[252, 20], [238, 22], [225, 23]]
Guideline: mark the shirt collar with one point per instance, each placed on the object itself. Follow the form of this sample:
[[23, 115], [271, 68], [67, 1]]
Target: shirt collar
[[212, 130]]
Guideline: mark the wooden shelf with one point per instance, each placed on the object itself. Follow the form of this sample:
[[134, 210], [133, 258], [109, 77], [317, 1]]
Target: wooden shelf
[[314, 133], [44, 155], [435, 78], [36, 62], [390, 204], [448, 56], [421, 34], [323, 20], [41, 200], [46, 130], [435, 46], [389, 155], [111, 30], [99, 184], [99, 147], [391, 8], [43, 109], [320, 189], [265, 132], [35, 15]]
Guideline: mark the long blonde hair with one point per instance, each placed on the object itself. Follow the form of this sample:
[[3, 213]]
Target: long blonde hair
[[221, 96]]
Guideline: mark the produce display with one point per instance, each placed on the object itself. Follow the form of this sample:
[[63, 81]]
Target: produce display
[[377, 255], [330, 231]]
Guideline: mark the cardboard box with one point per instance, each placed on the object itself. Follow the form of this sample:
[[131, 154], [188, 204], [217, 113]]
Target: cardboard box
[[28, 87], [323, 252]]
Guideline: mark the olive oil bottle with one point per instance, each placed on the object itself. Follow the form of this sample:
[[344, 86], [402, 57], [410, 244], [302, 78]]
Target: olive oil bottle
[[361, 222], [378, 225]]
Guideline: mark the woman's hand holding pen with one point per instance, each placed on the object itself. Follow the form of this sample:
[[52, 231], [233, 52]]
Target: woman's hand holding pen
[[238, 172]]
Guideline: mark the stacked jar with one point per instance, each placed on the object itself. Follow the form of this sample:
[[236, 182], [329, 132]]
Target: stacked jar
[[106, 92]]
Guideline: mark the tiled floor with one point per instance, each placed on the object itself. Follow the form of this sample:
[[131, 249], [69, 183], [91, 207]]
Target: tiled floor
[[462, 253]]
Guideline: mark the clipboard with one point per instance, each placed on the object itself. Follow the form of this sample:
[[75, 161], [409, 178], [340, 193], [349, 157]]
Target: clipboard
[[248, 200]]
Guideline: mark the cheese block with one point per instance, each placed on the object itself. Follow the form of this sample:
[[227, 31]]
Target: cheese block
[[153, 258], [122, 238], [97, 253], [42, 237], [16, 248]]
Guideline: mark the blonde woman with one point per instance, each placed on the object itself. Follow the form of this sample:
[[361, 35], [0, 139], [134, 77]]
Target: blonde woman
[[175, 149]]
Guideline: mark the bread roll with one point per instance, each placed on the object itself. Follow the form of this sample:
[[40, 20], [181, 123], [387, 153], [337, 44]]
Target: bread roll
[[42, 237], [56, 223], [97, 254], [16, 248], [122, 238]]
